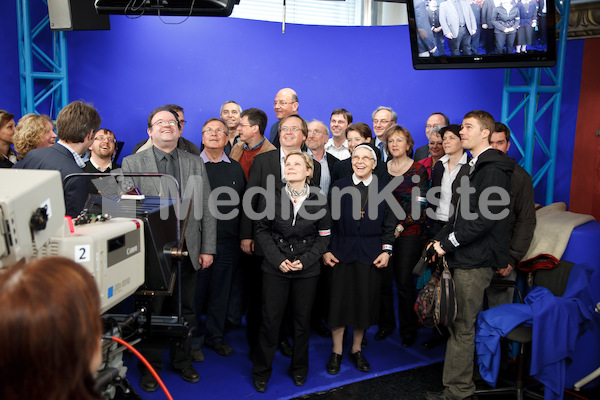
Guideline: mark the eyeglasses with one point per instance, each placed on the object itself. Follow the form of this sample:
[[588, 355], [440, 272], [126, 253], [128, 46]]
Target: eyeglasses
[[103, 138], [380, 121], [363, 159], [240, 124], [290, 128], [160, 122], [211, 130], [314, 131], [282, 103]]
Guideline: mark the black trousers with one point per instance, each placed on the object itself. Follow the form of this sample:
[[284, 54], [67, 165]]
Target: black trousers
[[407, 251], [252, 272], [387, 319], [277, 291], [461, 43], [179, 350]]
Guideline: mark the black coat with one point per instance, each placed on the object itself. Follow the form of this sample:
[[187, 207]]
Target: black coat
[[482, 241], [294, 238]]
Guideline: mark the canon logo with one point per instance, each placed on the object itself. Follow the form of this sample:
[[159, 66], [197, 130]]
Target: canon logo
[[132, 250]]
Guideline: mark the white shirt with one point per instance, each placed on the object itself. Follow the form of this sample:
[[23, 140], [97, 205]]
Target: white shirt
[[282, 163], [341, 153], [99, 168], [443, 211]]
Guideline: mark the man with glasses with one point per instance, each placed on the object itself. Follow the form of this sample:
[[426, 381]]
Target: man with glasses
[[251, 130], [214, 283], [201, 234], [101, 153], [182, 143], [435, 119], [383, 118], [285, 104]]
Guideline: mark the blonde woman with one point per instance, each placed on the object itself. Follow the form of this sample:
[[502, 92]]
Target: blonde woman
[[33, 131]]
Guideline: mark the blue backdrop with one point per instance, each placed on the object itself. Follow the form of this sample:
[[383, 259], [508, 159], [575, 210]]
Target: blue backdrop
[[143, 63]]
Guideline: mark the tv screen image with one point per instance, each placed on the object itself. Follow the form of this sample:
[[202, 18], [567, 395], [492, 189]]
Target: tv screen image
[[452, 34]]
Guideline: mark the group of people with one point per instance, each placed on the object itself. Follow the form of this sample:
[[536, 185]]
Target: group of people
[[324, 251], [473, 27]]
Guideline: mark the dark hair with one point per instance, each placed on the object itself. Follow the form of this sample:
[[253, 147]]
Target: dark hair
[[76, 120], [455, 129], [160, 109], [50, 331], [5, 117], [500, 127], [174, 107], [256, 117], [486, 121], [446, 120], [304, 125], [361, 128], [108, 131], [344, 112]]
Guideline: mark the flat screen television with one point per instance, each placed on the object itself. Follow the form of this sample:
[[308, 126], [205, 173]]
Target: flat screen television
[[485, 34]]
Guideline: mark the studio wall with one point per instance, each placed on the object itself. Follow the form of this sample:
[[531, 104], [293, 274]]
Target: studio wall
[[199, 64]]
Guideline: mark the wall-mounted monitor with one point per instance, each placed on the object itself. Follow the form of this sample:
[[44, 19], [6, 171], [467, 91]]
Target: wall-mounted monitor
[[214, 8], [451, 34]]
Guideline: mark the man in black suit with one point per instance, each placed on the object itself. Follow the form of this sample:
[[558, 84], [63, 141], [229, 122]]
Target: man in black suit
[[436, 118], [77, 124], [268, 166]]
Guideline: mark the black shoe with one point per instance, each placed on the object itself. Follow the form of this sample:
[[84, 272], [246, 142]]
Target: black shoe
[[189, 374], [260, 385], [322, 330], [333, 366], [408, 339], [360, 361], [285, 348], [299, 379], [222, 349], [148, 382], [197, 355], [382, 334]]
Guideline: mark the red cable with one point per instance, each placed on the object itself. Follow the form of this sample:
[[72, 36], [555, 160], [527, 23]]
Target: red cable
[[146, 363]]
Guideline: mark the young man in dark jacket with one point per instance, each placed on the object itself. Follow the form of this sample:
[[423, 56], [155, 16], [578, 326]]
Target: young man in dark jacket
[[475, 242], [522, 219]]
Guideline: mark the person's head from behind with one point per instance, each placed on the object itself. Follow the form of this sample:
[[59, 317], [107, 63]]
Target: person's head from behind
[[76, 121], [451, 139], [33, 131], [50, 331], [358, 133], [500, 138]]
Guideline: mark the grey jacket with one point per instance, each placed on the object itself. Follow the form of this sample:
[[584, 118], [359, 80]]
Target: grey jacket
[[201, 234]]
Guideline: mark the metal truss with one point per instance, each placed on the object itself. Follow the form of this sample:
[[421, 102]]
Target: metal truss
[[43, 69], [533, 106]]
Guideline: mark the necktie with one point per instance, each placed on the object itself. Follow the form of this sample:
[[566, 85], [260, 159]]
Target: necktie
[[171, 170], [380, 145]]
